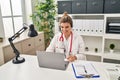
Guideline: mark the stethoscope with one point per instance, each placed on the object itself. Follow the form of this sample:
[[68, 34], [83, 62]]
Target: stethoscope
[[62, 39]]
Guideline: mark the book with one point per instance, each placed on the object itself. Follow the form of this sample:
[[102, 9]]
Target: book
[[84, 70]]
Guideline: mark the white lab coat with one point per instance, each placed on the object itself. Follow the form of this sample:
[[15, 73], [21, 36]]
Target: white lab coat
[[60, 46]]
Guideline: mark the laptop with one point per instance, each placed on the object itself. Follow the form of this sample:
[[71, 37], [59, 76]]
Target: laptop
[[52, 60]]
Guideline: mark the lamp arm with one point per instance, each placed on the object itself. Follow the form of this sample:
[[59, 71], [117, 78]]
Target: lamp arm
[[14, 37], [17, 59], [17, 34], [17, 53]]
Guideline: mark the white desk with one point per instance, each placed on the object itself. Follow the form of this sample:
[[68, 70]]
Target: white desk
[[29, 70]]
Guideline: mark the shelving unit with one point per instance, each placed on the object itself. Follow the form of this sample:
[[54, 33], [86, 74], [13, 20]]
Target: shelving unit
[[111, 38], [90, 20], [100, 40]]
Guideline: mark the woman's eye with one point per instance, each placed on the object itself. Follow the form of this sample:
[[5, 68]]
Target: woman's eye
[[61, 27]]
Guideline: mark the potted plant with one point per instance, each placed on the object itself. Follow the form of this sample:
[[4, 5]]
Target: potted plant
[[96, 50], [86, 49], [112, 46], [44, 18], [1, 39]]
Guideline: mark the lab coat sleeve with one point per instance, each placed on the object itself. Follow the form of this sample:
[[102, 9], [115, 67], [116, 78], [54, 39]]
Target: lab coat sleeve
[[80, 55], [51, 47]]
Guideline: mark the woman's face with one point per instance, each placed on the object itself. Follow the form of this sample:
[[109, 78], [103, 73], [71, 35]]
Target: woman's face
[[66, 28]]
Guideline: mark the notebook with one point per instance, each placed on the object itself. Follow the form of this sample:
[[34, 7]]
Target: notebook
[[51, 60]]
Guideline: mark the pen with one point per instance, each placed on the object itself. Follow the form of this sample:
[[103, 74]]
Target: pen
[[85, 69], [64, 53]]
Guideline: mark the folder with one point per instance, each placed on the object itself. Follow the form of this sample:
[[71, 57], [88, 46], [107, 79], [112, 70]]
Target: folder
[[79, 24], [101, 26], [85, 70]]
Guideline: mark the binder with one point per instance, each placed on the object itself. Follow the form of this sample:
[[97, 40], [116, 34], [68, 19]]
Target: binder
[[100, 26], [85, 70]]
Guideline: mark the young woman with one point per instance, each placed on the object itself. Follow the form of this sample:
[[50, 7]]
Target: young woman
[[67, 41]]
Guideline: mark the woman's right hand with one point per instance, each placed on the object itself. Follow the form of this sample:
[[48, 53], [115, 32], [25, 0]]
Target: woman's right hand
[[71, 58]]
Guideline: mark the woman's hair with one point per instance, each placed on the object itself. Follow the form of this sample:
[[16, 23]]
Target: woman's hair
[[66, 18]]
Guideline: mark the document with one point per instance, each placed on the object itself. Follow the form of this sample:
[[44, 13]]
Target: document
[[84, 70], [114, 24]]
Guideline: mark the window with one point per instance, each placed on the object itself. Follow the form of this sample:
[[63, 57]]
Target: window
[[12, 16]]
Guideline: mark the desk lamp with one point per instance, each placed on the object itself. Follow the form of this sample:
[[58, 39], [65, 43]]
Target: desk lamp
[[32, 33]]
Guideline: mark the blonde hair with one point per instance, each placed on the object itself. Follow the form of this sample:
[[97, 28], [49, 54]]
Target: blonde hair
[[66, 18]]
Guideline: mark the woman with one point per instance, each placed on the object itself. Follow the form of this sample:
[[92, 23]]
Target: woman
[[67, 41]]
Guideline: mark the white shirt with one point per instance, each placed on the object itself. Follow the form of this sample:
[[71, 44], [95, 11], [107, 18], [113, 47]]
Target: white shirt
[[60, 46]]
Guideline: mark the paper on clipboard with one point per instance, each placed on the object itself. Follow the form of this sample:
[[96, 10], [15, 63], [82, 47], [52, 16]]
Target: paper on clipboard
[[85, 70]]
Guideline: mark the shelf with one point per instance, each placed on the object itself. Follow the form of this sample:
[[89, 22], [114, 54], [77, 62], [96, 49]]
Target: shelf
[[93, 53], [106, 15], [115, 56], [100, 16], [112, 15], [112, 36], [93, 35], [116, 51]]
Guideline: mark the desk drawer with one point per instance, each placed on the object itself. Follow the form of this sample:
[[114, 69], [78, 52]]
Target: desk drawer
[[39, 40], [27, 45], [111, 61]]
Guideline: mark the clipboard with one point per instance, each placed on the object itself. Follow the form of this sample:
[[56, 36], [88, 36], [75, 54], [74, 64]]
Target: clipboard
[[85, 70]]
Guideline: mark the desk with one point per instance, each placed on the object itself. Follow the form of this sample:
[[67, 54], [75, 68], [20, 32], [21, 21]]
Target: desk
[[29, 70]]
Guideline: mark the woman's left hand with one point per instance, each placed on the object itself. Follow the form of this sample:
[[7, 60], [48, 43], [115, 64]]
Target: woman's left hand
[[72, 58]]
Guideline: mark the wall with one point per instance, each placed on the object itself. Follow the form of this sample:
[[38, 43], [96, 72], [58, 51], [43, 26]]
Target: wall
[[28, 11], [1, 28]]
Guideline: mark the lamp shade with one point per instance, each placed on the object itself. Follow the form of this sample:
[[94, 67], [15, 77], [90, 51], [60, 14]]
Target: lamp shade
[[32, 32]]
